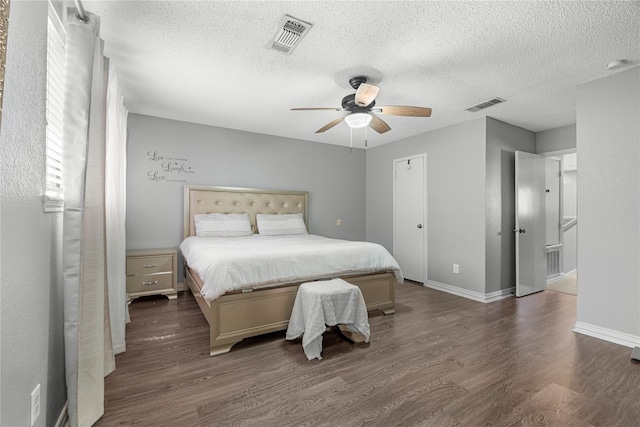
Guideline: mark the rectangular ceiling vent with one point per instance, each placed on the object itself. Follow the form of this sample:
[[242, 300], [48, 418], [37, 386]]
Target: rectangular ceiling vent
[[484, 105], [290, 33]]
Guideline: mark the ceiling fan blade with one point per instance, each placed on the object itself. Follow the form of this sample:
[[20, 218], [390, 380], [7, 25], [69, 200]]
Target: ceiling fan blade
[[378, 124], [365, 94], [330, 125], [313, 108], [404, 110]]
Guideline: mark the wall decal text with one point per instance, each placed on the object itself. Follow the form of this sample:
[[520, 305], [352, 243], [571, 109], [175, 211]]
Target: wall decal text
[[168, 169]]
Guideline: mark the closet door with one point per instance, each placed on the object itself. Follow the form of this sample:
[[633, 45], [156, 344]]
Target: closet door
[[409, 215]]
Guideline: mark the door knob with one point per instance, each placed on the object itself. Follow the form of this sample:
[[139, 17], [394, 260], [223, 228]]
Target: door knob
[[519, 230], [419, 225]]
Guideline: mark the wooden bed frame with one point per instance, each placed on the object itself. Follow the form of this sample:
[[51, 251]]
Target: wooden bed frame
[[238, 315]]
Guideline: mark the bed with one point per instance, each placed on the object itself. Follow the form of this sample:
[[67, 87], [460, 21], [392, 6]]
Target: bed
[[250, 309]]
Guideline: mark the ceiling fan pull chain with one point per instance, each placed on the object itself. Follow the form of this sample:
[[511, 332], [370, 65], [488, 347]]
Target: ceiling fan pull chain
[[365, 136]]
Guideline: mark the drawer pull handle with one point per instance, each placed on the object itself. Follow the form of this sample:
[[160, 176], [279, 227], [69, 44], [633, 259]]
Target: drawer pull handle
[[150, 282], [150, 265]]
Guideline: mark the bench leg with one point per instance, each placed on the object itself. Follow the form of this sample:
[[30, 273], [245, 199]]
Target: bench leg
[[354, 337]]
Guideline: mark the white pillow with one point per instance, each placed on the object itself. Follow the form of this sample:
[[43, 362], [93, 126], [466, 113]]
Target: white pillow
[[280, 224], [222, 225]]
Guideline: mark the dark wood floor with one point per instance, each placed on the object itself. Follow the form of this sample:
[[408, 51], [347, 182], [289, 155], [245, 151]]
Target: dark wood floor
[[441, 360]]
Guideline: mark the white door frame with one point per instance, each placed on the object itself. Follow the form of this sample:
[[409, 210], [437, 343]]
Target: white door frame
[[561, 153], [425, 264]]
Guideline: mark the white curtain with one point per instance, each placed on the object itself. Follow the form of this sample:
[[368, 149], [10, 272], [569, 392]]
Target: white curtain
[[84, 225], [115, 201]]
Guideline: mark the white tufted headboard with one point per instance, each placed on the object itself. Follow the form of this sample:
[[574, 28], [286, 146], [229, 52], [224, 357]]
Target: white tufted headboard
[[200, 199]]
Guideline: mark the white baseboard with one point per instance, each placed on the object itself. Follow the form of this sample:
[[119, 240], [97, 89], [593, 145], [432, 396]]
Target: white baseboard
[[560, 276], [181, 287], [501, 294], [472, 295], [610, 335], [63, 418], [555, 278]]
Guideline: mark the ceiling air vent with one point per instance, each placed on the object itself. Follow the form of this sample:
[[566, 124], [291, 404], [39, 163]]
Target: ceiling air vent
[[484, 105], [290, 33]]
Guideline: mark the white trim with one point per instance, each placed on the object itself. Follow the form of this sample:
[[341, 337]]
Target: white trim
[[550, 280], [501, 294], [605, 334], [472, 295], [63, 418], [558, 152], [425, 260], [560, 276]]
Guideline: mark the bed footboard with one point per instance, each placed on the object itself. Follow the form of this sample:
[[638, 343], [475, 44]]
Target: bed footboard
[[236, 316]]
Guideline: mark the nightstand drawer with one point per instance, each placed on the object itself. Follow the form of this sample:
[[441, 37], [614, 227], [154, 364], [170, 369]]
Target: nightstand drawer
[[150, 282], [149, 265]]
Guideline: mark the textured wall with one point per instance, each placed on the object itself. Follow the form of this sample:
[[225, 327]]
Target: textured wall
[[608, 202], [503, 140], [562, 138], [455, 198], [31, 306], [4, 29], [208, 155]]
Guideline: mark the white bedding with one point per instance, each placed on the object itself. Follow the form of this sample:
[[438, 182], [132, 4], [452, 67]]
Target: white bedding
[[232, 263]]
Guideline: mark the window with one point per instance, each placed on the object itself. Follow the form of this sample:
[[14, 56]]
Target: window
[[54, 191]]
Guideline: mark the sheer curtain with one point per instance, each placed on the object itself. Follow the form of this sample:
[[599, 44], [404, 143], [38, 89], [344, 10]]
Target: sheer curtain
[[88, 352], [115, 201]]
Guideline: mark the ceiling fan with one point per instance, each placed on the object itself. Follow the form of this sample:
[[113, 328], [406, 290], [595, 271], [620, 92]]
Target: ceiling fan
[[361, 108]]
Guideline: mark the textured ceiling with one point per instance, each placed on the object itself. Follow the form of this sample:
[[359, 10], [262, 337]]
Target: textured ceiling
[[210, 62]]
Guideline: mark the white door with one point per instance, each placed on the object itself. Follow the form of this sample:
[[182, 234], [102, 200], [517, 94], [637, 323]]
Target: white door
[[409, 219], [530, 229]]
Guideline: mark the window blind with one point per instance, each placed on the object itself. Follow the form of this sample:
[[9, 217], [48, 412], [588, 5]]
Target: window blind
[[54, 191]]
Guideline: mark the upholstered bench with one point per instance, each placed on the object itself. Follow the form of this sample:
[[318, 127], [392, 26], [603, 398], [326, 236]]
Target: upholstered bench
[[326, 303]]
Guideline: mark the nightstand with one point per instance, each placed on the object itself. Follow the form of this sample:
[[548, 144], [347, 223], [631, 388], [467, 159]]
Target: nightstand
[[152, 272]]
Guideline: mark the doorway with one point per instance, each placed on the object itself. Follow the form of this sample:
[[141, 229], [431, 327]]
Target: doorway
[[562, 272], [546, 222], [410, 216]]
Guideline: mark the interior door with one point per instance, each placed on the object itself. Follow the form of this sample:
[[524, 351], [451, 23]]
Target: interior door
[[530, 229], [409, 231]]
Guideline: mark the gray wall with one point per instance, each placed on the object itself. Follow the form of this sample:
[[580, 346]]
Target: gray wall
[[334, 178], [455, 200], [562, 138], [31, 305], [503, 140], [608, 202]]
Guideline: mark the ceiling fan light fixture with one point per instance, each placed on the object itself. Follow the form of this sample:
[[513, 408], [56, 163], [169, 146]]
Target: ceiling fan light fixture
[[365, 94], [358, 120]]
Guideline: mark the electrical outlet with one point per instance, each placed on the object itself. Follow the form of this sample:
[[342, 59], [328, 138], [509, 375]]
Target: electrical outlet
[[35, 404], [456, 268], [339, 222]]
